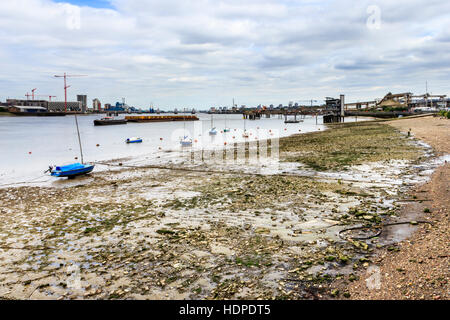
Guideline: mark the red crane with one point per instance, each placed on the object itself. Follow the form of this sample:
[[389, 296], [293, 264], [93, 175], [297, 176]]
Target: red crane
[[65, 76], [32, 92]]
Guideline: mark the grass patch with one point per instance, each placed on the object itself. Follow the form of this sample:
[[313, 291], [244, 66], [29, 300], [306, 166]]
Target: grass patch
[[347, 144]]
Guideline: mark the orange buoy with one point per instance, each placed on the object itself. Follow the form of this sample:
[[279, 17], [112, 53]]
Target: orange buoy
[[225, 143], [98, 145]]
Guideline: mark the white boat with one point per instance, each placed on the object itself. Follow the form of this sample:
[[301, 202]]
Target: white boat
[[245, 134], [186, 142], [213, 130], [226, 129]]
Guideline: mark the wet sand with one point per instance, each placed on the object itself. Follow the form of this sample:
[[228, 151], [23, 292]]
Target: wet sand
[[419, 267], [253, 233]]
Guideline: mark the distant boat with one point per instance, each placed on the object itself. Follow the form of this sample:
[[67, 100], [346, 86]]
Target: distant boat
[[133, 140], [245, 134], [185, 141], [106, 121], [213, 130], [75, 169]]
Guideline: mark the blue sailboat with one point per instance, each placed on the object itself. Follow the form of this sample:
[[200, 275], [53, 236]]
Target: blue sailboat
[[72, 170], [133, 140], [75, 169]]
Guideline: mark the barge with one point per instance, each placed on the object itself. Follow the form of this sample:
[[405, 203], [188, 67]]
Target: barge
[[160, 118], [107, 121]]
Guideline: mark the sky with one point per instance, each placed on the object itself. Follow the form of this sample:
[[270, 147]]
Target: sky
[[204, 53]]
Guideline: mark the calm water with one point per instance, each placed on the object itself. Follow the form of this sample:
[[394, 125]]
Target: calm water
[[28, 145]]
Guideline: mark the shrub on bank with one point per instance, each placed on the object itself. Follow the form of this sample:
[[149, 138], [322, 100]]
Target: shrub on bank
[[445, 114]]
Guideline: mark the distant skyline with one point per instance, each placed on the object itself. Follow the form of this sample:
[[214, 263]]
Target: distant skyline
[[204, 53]]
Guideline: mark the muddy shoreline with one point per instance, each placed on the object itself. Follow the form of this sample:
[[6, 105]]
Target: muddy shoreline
[[143, 233]]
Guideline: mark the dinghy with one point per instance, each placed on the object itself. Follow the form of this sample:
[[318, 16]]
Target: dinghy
[[72, 170], [75, 169], [213, 132], [133, 140], [185, 142]]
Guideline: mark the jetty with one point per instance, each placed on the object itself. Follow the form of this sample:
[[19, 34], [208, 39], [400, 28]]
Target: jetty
[[160, 118]]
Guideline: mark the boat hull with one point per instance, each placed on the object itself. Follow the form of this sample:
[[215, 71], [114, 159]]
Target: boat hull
[[109, 122], [63, 172]]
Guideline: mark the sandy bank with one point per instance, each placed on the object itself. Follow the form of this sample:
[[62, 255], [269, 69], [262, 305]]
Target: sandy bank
[[419, 267]]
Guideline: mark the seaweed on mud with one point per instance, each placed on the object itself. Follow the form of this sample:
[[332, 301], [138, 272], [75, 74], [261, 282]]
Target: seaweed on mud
[[346, 145]]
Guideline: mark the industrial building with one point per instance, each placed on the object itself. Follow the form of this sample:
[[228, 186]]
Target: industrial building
[[48, 105], [83, 100], [26, 103], [96, 105], [60, 106]]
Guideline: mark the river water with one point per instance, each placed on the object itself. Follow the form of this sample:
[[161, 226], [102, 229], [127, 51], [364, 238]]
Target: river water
[[28, 145]]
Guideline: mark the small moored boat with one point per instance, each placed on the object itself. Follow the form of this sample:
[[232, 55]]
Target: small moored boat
[[133, 140], [75, 169], [186, 142], [106, 121], [71, 170]]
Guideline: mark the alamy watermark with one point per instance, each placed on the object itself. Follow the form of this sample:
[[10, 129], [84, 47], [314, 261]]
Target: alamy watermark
[[73, 17], [374, 19], [254, 146], [74, 278], [373, 282]]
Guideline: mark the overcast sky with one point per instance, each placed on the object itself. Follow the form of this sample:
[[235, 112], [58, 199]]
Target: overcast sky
[[203, 53]]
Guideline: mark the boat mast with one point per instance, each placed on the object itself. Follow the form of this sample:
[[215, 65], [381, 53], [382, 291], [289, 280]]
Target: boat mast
[[79, 139], [184, 123], [245, 125]]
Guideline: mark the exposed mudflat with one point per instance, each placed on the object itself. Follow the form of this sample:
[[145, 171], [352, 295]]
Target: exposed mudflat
[[272, 230]]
